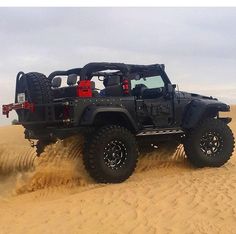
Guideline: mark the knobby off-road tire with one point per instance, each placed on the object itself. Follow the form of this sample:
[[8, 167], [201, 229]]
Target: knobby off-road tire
[[110, 156], [210, 144], [39, 92], [39, 88]]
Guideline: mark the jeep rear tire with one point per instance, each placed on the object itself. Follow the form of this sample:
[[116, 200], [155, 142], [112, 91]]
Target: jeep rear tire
[[110, 156], [210, 144]]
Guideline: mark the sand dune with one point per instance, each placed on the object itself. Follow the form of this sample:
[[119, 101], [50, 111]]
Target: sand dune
[[54, 194]]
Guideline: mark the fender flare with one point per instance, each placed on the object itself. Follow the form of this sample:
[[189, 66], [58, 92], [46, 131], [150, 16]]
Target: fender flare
[[91, 112], [197, 110]]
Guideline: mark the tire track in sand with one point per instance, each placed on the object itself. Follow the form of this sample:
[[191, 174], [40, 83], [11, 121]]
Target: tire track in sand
[[16, 158]]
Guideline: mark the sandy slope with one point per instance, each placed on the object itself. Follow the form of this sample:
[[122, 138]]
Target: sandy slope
[[165, 195]]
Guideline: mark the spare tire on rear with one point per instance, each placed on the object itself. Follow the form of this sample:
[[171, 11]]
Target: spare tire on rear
[[37, 89]]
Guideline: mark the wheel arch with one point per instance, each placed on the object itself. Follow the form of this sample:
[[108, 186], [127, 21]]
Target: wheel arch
[[100, 116], [198, 110]]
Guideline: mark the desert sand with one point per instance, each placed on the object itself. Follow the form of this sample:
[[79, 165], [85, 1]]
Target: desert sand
[[54, 194]]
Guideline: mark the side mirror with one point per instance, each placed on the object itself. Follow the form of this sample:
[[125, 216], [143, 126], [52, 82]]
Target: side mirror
[[171, 88]]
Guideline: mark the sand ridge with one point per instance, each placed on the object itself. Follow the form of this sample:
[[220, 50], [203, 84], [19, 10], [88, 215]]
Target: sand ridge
[[165, 194]]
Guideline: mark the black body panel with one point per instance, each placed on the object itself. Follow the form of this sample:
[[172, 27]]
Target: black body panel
[[172, 110]]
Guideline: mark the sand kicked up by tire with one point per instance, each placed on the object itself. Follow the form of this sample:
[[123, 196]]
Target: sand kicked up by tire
[[61, 165]]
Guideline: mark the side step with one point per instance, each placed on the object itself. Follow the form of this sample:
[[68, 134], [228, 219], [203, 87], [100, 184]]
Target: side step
[[150, 132]]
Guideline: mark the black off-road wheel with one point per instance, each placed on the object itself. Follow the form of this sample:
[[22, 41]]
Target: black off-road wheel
[[110, 156], [210, 144]]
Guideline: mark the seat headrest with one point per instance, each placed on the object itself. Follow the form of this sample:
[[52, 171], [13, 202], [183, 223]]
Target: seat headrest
[[56, 82], [72, 79]]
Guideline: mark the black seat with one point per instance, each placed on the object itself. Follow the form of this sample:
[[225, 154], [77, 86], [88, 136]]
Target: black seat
[[152, 93], [62, 92], [113, 86], [65, 92], [138, 90], [70, 91]]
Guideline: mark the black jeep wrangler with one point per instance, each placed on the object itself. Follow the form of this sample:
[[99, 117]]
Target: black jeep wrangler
[[130, 109]]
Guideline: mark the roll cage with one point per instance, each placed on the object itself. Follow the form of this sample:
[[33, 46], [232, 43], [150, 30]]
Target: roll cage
[[127, 71]]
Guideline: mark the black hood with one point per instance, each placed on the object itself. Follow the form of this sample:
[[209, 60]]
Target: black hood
[[192, 96]]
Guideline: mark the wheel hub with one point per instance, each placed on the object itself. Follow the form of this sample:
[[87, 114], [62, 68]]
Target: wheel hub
[[115, 154], [211, 143]]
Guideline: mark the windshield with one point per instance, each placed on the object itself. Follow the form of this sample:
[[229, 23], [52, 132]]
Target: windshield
[[150, 82]]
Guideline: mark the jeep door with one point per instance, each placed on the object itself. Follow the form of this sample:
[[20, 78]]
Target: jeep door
[[154, 107]]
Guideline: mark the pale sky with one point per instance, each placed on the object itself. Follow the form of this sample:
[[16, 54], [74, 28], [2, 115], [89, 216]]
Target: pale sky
[[197, 45]]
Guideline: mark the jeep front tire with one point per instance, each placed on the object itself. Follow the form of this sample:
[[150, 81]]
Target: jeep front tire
[[210, 144]]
